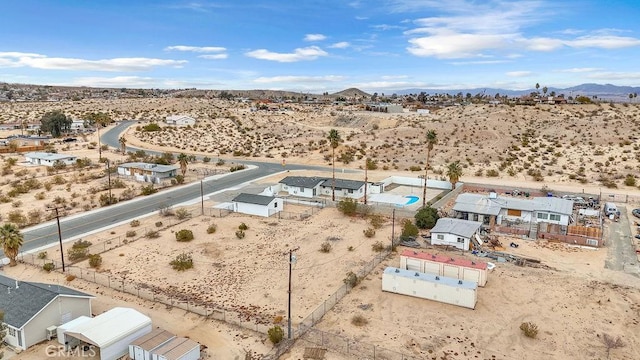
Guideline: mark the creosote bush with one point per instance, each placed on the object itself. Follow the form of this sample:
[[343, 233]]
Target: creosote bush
[[348, 206], [134, 223], [359, 320], [182, 214], [276, 334], [95, 260], [79, 250], [182, 262], [370, 232], [377, 246], [48, 267], [130, 233], [529, 329], [240, 234], [212, 229], [184, 235], [325, 247], [152, 234], [351, 279], [243, 226]]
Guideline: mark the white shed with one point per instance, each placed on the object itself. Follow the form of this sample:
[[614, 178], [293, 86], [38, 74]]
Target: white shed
[[432, 287], [462, 269], [454, 232], [177, 349], [49, 159], [112, 331], [68, 326], [141, 348], [260, 205]]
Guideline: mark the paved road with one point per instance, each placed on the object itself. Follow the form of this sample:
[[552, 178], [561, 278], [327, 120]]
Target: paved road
[[77, 225], [621, 250]]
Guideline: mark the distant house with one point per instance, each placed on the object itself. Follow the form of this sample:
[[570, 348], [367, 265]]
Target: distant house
[[259, 205], [77, 126], [146, 172], [180, 120], [302, 186], [32, 311], [384, 107], [454, 232], [344, 188], [49, 159]]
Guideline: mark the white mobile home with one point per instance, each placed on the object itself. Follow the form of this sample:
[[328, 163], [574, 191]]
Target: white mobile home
[[302, 186], [344, 188], [111, 332], [259, 205], [147, 172], [432, 287], [461, 269], [49, 159], [180, 120], [454, 232]]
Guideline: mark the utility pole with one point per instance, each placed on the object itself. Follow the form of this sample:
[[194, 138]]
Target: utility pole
[[59, 236], [292, 259], [393, 226], [366, 162], [99, 146], [109, 176]]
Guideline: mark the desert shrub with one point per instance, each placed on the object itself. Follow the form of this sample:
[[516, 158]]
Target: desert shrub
[[48, 267], [130, 233], [17, 217], [166, 211], [95, 260], [134, 223], [148, 190], [630, 180], [359, 320], [377, 246], [370, 232], [351, 248], [409, 230], [325, 247], [182, 214], [42, 255], [220, 162], [34, 216], [179, 179], [206, 159], [151, 127], [105, 199], [212, 229], [415, 168], [237, 167], [40, 195], [493, 173], [182, 262], [351, 279], [79, 250], [243, 227], [276, 334], [426, 218], [70, 278], [152, 234], [278, 319], [376, 221], [348, 206], [184, 235], [529, 329], [240, 234], [158, 223]]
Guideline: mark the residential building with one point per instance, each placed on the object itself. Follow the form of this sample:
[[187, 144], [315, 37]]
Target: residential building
[[454, 232], [49, 159], [180, 120], [259, 205], [146, 172]]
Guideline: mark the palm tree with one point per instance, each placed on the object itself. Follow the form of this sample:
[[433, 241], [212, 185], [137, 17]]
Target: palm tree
[[454, 172], [123, 144], [99, 120], [11, 240], [432, 139], [334, 140], [183, 159]]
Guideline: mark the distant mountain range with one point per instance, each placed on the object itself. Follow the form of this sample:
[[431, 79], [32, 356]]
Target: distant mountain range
[[590, 89]]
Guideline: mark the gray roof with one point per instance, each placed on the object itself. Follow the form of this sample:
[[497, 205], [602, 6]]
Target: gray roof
[[457, 227], [253, 199], [22, 304], [483, 204], [431, 278], [48, 156], [303, 181], [147, 166], [344, 184]]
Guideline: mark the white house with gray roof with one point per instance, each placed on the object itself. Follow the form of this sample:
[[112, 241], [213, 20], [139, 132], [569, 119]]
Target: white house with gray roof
[[310, 187], [180, 120], [344, 188], [147, 172], [31, 309], [302, 186], [259, 205], [482, 207], [49, 159], [454, 232]]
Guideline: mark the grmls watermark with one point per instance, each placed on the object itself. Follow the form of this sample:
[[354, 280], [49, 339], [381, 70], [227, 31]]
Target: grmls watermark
[[77, 352]]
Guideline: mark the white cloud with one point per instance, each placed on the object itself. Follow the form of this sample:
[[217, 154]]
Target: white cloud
[[604, 42], [115, 82], [385, 27], [519, 73], [456, 45], [37, 61], [214, 56], [299, 79], [340, 45], [300, 54], [198, 49], [615, 76], [314, 37], [579, 70], [542, 44]]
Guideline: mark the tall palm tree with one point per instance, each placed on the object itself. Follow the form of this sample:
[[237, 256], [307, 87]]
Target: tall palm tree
[[334, 140], [432, 139], [454, 172], [183, 159], [123, 144], [11, 240], [99, 120]]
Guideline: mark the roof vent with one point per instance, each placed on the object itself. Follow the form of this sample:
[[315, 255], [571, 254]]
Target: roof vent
[[460, 282], [473, 263], [415, 253], [416, 274], [437, 277], [397, 270], [433, 256], [452, 259]]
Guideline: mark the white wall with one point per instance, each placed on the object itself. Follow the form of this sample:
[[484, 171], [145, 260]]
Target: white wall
[[449, 239], [417, 182], [259, 210], [121, 347], [298, 191]]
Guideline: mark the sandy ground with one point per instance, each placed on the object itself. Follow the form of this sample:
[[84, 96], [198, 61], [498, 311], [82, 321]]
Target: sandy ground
[[574, 303]]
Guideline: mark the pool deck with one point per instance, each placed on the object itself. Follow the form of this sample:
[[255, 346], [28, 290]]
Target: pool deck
[[398, 196]]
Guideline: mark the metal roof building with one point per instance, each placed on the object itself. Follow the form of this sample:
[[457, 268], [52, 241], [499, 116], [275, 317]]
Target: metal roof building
[[457, 227]]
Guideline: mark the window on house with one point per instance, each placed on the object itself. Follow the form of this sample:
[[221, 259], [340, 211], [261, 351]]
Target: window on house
[[514, 212], [475, 217], [275, 205], [592, 242], [461, 240], [440, 237], [543, 216], [350, 191], [554, 217], [12, 332]]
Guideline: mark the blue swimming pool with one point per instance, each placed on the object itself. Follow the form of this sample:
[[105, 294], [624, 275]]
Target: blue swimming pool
[[412, 199]]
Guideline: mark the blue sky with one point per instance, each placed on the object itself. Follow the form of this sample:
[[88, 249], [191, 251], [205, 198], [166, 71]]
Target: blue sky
[[320, 45]]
